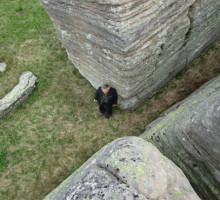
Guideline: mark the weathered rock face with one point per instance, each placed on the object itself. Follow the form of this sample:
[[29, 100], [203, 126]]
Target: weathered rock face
[[27, 82], [189, 134], [135, 46], [128, 168]]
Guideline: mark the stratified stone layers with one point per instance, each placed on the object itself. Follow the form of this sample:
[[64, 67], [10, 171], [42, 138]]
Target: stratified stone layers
[[134, 45], [128, 168], [188, 133]]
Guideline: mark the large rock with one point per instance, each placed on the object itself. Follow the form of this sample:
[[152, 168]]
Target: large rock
[[189, 134], [134, 45], [127, 168], [27, 82]]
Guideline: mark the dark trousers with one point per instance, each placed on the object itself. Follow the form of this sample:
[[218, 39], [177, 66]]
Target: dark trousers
[[105, 108]]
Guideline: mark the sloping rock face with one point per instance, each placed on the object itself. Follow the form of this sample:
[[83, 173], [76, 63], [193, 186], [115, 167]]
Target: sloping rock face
[[127, 168], [189, 134], [134, 45], [27, 82]]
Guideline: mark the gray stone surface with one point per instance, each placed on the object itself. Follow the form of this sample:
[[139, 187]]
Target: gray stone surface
[[2, 67], [27, 82], [136, 46], [127, 168], [188, 133]]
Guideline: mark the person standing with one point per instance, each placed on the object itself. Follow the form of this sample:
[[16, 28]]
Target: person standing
[[106, 97]]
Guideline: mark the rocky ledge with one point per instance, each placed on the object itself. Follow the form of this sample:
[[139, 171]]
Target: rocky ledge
[[188, 133]]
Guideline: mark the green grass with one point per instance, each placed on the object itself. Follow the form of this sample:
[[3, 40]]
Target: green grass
[[3, 160], [52, 133], [158, 94], [216, 70]]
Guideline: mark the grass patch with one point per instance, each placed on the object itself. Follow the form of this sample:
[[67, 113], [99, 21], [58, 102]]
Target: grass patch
[[157, 96], [58, 128], [149, 103], [3, 160], [179, 75], [216, 70]]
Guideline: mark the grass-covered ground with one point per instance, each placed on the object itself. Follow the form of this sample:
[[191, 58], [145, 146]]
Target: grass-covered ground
[[58, 128]]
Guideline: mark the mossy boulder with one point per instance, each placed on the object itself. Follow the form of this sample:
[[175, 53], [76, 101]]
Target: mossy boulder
[[127, 168], [27, 83]]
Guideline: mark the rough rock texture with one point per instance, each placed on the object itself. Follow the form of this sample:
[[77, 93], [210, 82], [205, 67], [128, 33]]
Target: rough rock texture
[[127, 168], [134, 45], [27, 82], [189, 134], [2, 67]]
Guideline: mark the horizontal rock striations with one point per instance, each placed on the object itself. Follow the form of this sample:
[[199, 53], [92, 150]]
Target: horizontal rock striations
[[127, 168], [27, 82], [188, 133], [134, 45]]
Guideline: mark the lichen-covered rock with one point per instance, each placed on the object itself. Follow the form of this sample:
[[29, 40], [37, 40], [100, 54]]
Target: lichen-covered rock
[[127, 168], [136, 46], [27, 82], [189, 134]]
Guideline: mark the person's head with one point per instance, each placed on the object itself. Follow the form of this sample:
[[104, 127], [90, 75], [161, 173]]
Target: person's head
[[105, 88]]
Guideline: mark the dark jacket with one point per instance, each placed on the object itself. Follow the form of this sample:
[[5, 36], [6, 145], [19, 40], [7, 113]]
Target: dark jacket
[[112, 95]]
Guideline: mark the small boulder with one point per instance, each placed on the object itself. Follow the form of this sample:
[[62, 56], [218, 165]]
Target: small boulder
[[27, 82], [2, 67]]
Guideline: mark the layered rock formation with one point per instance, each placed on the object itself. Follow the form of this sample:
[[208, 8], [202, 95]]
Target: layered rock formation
[[189, 134], [27, 82], [127, 168], [134, 45]]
